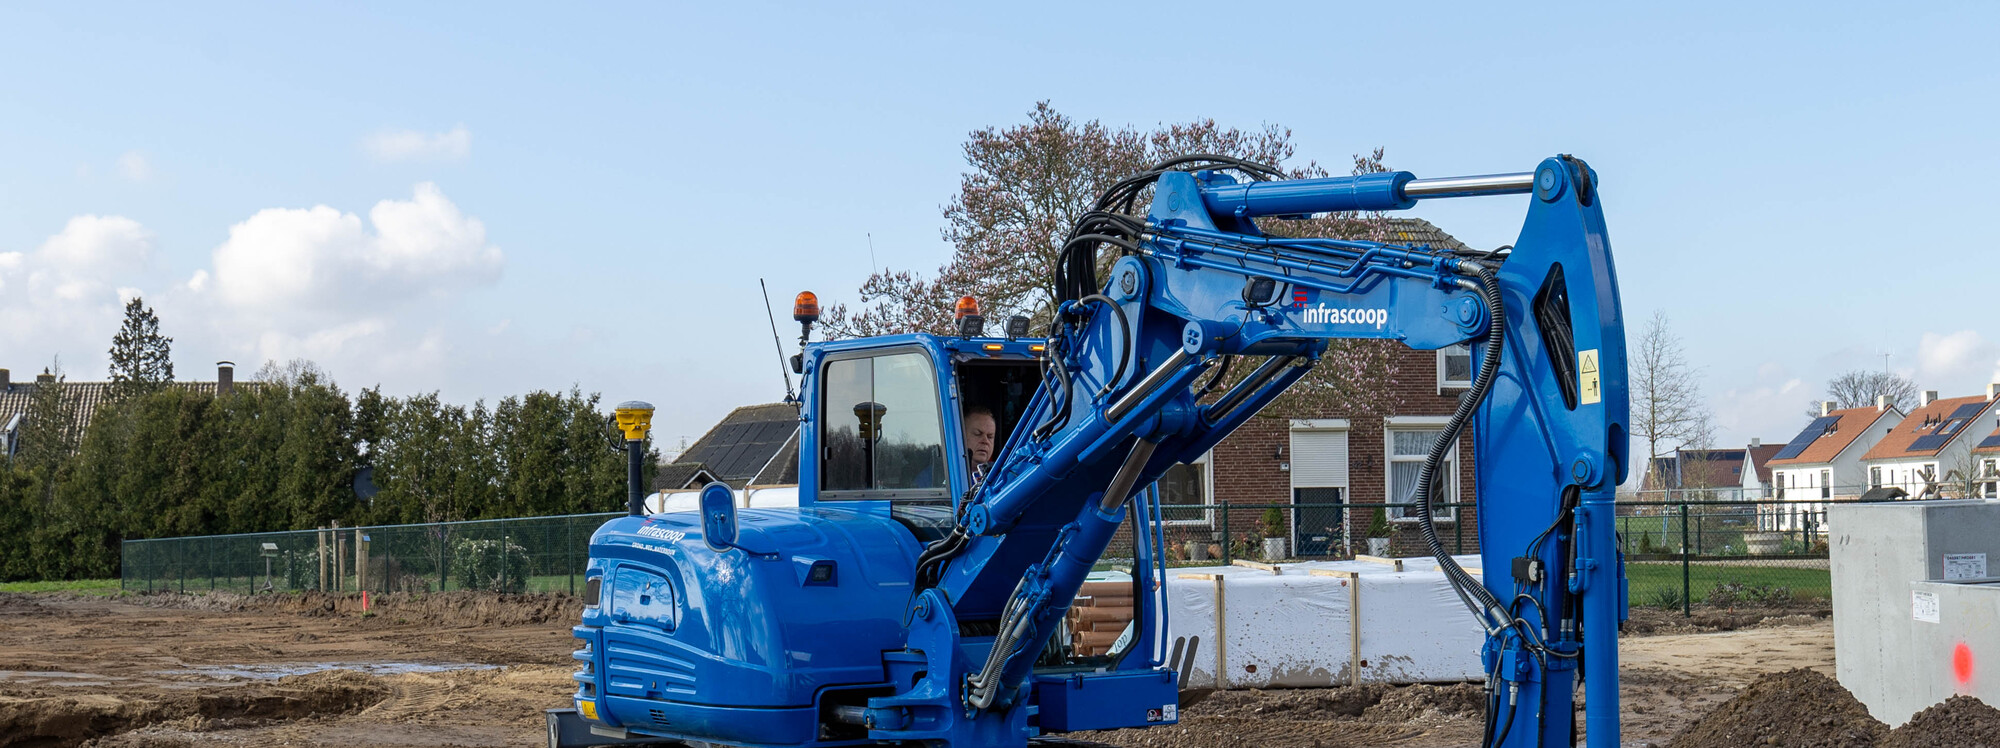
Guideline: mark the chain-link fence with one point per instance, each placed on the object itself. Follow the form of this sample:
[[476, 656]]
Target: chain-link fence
[[1679, 554], [534, 554], [1682, 554]]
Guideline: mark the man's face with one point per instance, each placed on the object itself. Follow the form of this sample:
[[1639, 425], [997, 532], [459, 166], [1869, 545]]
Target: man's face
[[979, 428]]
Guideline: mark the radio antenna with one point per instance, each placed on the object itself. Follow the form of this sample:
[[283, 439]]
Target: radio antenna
[[773, 317]]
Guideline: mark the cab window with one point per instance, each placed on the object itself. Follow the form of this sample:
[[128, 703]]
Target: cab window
[[881, 430]]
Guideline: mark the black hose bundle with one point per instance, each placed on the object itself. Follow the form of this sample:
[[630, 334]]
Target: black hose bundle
[[1110, 222], [1487, 607]]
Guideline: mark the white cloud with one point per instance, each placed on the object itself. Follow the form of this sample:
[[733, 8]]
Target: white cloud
[[370, 297], [134, 167], [413, 145], [71, 288], [1957, 364], [290, 262], [322, 284]]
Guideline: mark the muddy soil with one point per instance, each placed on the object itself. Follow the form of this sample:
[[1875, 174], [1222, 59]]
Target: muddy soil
[[1958, 722], [454, 669], [1706, 619], [1797, 708], [467, 669]]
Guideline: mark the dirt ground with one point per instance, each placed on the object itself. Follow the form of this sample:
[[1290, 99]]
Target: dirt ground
[[477, 669]]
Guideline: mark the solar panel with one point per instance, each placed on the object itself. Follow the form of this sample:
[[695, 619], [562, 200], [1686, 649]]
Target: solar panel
[[1991, 441], [1928, 443], [1967, 410], [1805, 438]]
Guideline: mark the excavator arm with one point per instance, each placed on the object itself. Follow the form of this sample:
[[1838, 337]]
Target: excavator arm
[[1133, 386]]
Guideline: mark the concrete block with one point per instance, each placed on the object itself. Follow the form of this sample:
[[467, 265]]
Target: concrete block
[[1896, 566]]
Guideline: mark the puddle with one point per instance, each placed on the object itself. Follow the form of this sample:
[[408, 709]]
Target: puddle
[[274, 671], [55, 678]]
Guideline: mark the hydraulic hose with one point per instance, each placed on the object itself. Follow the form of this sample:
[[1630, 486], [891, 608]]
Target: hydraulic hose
[[1488, 607]]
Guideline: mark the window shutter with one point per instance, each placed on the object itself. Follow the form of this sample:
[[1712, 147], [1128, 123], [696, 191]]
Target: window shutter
[[1319, 459]]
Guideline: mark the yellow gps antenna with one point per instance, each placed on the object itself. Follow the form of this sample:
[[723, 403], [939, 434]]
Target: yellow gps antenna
[[635, 418]]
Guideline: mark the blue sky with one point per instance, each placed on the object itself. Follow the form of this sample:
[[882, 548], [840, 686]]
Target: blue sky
[[486, 199]]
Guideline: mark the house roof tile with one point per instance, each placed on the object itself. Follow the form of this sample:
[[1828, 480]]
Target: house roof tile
[[1760, 456], [1926, 430], [738, 447], [1991, 443], [18, 397], [1823, 444]]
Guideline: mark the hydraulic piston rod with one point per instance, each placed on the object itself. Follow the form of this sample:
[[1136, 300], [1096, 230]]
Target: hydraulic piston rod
[[1488, 184], [1388, 190]]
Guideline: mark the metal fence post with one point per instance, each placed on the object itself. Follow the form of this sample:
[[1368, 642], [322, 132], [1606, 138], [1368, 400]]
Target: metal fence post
[[1687, 586], [1225, 534]]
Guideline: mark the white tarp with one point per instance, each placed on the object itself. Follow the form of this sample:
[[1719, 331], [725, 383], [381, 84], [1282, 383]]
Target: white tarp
[[1292, 628]]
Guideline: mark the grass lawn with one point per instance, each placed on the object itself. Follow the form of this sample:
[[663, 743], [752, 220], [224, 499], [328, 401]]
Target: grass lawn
[[87, 586], [1650, 581]]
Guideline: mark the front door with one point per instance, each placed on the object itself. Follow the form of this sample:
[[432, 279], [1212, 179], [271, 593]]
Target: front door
[[1316, 521]]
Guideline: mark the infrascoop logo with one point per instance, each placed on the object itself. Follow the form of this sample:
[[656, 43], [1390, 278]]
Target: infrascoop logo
[[1320, 314]]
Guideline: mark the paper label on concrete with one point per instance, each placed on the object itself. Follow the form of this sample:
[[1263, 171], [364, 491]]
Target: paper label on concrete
[[1924, 606], [1964, 566]]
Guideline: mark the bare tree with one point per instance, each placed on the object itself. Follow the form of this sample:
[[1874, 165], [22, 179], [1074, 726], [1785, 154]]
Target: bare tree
[[1859, 388], [1668, 411]]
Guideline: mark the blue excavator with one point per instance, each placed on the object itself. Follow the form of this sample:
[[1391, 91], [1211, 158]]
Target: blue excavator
[[915, 598]]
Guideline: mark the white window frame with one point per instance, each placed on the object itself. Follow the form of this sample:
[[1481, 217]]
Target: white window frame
[[1393, 424], [1991, 470], [1207, 464], [1825, 484], [1454, 384], [1778, 482]]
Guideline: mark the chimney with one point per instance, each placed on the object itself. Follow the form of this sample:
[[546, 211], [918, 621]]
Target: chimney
[[1930, 396], [5, 382], [45, 377], [1826, 407], [1756, 442], [1881, 402], [225, 377], [1992, 390]]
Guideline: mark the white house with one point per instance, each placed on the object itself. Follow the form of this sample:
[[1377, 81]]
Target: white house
[[1986, 456], [1756, 470], [1824, 462], [1930, 451]]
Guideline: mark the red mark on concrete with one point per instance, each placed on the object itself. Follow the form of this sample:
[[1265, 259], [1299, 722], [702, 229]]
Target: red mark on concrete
[[1961, 663]]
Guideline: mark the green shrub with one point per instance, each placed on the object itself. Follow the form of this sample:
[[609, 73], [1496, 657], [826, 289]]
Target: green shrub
[[1274, 523], [497, 565], [1665, 597], [1379, 526]]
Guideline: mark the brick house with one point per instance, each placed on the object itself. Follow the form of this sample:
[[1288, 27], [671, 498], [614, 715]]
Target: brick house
[[1317, 467]]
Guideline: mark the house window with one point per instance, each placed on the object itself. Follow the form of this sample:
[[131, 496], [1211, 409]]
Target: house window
[[1184, 493], [1825, 484], [1992, 470], [1778, 480], [1875, 477], [881, 430], [1454, 367], [1407, 448]]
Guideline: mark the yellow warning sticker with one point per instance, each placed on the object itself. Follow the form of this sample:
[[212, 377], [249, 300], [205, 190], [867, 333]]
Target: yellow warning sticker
[[1588, 384]]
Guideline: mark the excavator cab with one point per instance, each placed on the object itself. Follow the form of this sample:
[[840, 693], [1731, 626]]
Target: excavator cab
[[886, 416]]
